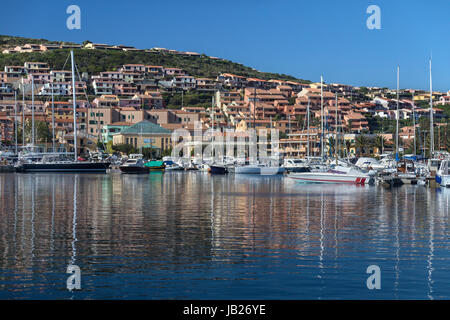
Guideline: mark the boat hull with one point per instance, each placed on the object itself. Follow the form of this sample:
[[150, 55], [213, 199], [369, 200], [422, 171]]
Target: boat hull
[[444, 181], [157, 168], [247, 170], [218, 169], [297, 169], [319, 177], [87, 167], [269, 171], [133, 169]]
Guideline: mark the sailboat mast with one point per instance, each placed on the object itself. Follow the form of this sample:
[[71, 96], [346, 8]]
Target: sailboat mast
[[74, 108], [398, 114], [53, 121], [254, 110], [23, 114], [32, 110], [431, 116], [414, 122], [321, 116], [307, 130], [142, 142], [289, 120], [336, 129], [15, 118], [213, 114]]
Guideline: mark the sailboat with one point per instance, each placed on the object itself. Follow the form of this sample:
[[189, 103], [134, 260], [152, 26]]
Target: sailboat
[[57, 162]]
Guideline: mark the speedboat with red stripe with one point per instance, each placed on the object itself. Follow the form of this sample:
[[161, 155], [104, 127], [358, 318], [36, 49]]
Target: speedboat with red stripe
[[336, 175]]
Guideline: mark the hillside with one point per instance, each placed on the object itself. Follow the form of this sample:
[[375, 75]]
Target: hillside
[[95, 61], [12, 41]]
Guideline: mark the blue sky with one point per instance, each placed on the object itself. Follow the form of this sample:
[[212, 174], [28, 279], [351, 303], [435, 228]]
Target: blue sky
[[301, 38]]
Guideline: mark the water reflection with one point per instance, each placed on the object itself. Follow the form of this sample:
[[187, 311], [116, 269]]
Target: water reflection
[[192, 235]]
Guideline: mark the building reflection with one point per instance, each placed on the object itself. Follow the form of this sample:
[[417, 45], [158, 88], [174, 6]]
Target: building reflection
[[180, 220]]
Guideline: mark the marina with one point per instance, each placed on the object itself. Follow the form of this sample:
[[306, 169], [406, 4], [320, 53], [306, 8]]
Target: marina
[[224, 160]]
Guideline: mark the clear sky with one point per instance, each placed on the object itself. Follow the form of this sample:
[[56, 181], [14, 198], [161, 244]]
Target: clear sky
[[301, 38]]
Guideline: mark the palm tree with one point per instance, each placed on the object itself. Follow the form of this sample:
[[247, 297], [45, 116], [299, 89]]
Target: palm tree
[[331, 146], [299, 121], [361, 143], [379, 143]]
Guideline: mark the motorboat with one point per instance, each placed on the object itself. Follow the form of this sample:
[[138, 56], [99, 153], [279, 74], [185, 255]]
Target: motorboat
[[134, 165], [389, 179], [190, 167], [203, 167], [337, 174], [367, 163], [155, 165], [433, 166], [407, 172], [172, 166], [443, 174], [295, 165], [218, 169]]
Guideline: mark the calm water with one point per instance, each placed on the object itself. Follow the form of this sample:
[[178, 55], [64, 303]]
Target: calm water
[[194, 236]]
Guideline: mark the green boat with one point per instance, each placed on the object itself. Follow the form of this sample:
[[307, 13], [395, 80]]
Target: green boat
[[155, 165]]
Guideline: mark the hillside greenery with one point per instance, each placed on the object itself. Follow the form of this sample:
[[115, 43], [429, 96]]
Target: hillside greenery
[[12, 41], [95, 61]]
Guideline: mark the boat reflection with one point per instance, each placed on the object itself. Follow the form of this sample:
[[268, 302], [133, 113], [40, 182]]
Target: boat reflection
[[258, 231]]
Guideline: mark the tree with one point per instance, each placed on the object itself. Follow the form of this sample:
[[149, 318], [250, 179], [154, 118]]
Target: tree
[[300, 121], [361, 143], [149, 153], [349, 125], [125, 148], [331, 146], [167, 152], [109, 147], [291, 101], [379, 143], [43, 133]]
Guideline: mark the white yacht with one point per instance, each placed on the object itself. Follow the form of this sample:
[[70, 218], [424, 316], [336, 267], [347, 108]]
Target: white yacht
[[338, 174], [295, 165], [443, 174]]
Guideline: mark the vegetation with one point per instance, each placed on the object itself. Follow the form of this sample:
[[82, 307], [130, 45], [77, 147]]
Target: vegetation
[[362, 142], [193, 99], [95, 61], [12, 41], [148, 153], [43, 134]]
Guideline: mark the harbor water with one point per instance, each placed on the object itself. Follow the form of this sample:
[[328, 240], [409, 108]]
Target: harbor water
[[190, 235]]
